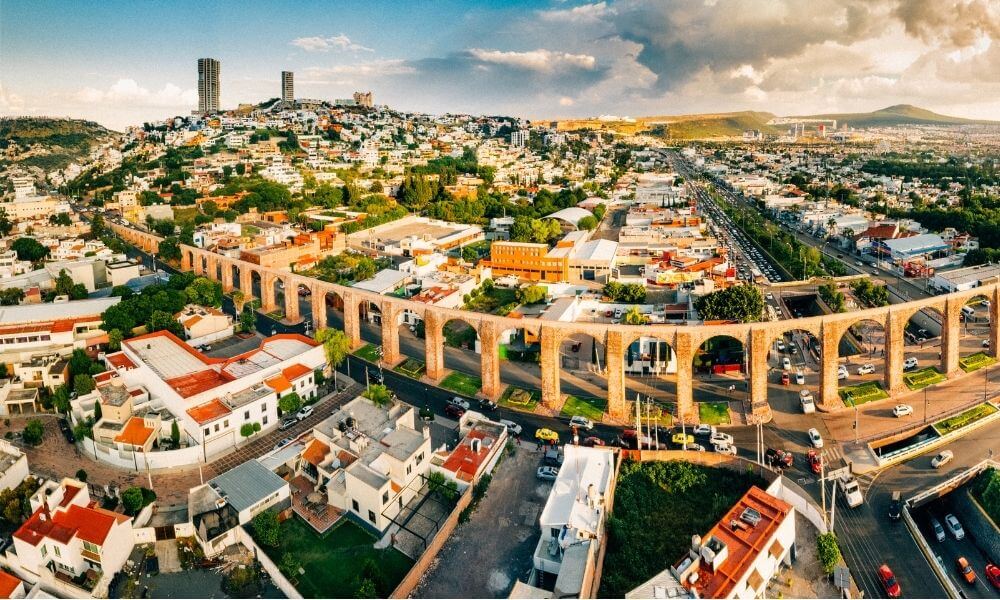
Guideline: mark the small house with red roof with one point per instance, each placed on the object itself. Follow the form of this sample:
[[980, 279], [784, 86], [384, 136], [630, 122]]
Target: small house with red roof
[[68, 534]]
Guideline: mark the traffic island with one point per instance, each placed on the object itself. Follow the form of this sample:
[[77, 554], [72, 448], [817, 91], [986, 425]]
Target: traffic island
[[592, 408], [521, 399], [468, 385], [369, 352], [976, 361], [918, 380], [855, 395], [714, 413]]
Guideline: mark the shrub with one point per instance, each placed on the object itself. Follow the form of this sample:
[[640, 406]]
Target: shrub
[[266, 528], [828, 551], [33, 432], [81, 475]]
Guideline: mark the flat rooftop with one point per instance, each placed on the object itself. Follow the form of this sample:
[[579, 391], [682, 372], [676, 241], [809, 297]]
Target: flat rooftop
[[432, 231], [969, 274], [49, 311]]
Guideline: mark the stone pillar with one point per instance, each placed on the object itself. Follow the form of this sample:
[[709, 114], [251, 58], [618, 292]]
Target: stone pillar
[[199, 264], [830, 358], [994, 338], [760, 347], [390, 335], [352, 322], [685, 349], [550, 364], [227, 277], [951, 335], [185, 260], [267, 303], [291, 299], [489, 342], [246, 281], [896, 325], [433, 345], [614, 358], [318, 298]]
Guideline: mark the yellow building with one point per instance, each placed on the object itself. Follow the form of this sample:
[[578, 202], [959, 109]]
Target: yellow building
[[528, 261]]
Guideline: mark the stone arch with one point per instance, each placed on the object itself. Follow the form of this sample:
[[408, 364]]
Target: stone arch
[[975, 329], [861, 351], [462, 343]]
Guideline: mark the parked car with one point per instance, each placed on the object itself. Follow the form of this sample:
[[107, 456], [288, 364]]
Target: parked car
[[895, 506], [815, 438], [815, 462], [954, 526], [512, 427], [785, 380], [287, 423], [581, 422], [865, 369], [546, 435], [282, 443], [910, 363], [808, 404], [682, 439], [852, 491], [721, 438], [703, 430], [724, 449], [304, 412], [454, 411], [547, 473], [842, 372], [938, 529], [488, 405], [67, 431], [786, 363], [902, 410], [593, 441], [774, 457], [780, 345], [943, 458], [459, 402], [889, 582], [993, 575], [965, 570], [552, 457]]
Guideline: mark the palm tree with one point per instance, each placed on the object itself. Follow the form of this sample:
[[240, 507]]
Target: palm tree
[[336, 347], [239, 302]]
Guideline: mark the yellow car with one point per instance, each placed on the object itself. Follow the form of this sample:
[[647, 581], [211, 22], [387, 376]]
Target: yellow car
[[680, 439], [546, 435]]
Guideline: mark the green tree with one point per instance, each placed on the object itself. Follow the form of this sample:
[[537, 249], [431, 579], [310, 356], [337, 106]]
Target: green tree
[[378, 394], [266, 528], [588, 223], [204, 291], [290, 565], [33, 432], [62, 219], [132, 500], [336, 347], [83, 384], [828, 551], [29, 249], [160, 320], [60, 398], [247, 429], [81, 475], [175, 434], [533, 294], [115, 338], [11, 296], [169, 249], [6, 226], [634, 317], [741, 303], [122, 291], [289, 403]]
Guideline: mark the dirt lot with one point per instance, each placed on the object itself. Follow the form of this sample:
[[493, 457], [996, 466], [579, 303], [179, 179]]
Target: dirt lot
[[484, 556]]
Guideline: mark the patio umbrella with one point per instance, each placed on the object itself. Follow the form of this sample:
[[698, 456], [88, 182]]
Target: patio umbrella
[[315, 497]]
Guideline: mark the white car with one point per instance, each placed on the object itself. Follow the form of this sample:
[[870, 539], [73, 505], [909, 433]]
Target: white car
[[547, 473], [512, 427], [780, 345], [902, 410], [581, 422], [786, 364], [704, 430], [866, 369], [719, 438], [304, 412], [943, 458], [459, 402], [800, 378], [851, 490], [808, 404], [910, 363], [842, 372], [815, 438], [724, 449], [954, 526]]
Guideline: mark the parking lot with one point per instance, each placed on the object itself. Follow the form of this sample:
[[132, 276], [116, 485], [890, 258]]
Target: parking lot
[[948, 550]]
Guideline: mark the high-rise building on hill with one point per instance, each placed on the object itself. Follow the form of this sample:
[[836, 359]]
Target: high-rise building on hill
[[208, 85]]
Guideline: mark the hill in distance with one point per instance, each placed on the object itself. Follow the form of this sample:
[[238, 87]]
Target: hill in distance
[[899, 114], [54, 143]]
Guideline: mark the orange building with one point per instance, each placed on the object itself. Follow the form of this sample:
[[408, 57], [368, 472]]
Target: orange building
[[528, 261]]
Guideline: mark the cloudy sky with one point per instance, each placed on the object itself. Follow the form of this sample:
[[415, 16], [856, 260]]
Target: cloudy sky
[[124, 62]]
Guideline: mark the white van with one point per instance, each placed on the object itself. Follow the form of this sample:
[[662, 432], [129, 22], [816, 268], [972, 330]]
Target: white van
[[968, 311]]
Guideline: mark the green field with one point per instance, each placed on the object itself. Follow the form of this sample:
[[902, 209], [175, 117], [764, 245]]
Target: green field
[[369, 352], [870, 391], [520, 399], [919, 379], [336, 563], [964, 418], [592, 408], [714, 413], [976, 361], [411, 367], [468, 385]]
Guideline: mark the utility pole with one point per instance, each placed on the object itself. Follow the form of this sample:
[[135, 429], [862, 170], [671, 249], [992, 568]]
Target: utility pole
[[833, 508], [822, 488], [857, 429]]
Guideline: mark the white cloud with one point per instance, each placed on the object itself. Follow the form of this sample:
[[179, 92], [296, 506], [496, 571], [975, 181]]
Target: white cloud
[[325, 44], [566, 101], [375, 68], [10, 103], [129, 92], [585, 13], [535, 60]]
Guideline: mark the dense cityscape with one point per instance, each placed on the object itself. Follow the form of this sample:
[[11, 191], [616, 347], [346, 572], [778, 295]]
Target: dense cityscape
[[338, 348]]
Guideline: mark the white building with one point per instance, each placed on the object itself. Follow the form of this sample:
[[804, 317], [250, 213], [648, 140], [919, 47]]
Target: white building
[[51, 328], [204, 324], [13, 466]]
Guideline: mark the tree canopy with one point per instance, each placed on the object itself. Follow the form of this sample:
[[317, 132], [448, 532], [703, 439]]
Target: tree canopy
[[743, 303]]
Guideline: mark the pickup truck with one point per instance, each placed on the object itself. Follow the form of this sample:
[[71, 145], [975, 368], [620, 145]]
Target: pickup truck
[[852, 491]]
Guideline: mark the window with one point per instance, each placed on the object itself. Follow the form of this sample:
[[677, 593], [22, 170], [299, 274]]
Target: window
[[58, 553], [420, 458], [216, 426], [385, 497], [371, 516], [409, 469], [89, 547], [225, 423], [263, 408], [207, 431], [400, 502], [246, 415], [554, 532], [357, 508], [264, 420], [45, 550]]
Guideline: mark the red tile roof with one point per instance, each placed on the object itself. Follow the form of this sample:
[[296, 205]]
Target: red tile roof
[[120, 361], [278, 383], [8, 583], [88, 523], [295, 371], [198, 382], [135, 432], [209, 411], [315, 452]]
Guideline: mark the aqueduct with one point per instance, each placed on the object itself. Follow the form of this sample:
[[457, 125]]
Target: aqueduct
[[757, 338]]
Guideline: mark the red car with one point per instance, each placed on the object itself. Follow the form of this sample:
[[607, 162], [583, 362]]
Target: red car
[[454, 411], [785, 380], [993, 575], [889, 581], [815, 461], [593, 441]]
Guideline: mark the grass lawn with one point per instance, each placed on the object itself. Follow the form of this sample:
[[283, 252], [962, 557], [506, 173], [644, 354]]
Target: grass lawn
[[921, 378], [470, 385], [975, 361], [714, 413], [964, 418], [277, 315], [411, 367], [334, 562], [681, 498], [592, 408], [368, 352], [870, 391], [185, 214], [520, 399]]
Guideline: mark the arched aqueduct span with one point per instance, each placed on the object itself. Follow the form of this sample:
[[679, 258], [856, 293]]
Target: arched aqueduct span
[[757, 338]]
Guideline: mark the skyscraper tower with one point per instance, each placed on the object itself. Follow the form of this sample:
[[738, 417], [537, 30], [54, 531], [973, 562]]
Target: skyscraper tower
[[208, 85], [287, 86]]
